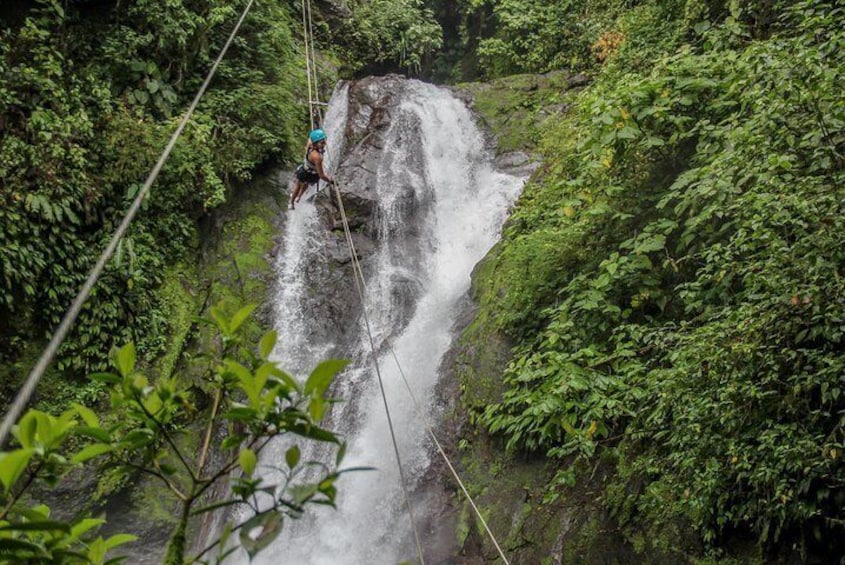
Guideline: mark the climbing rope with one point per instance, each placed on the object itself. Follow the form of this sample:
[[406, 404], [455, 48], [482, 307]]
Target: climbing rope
[[26, 391], [431, 433], [315, 106], [308, 57], [313, 102], [361, 285]]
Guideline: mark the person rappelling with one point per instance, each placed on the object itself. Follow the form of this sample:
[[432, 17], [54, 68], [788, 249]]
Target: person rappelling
[[310, 171]]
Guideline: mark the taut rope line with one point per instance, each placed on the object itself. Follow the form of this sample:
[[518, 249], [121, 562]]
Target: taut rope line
[[25, 393], [362, 290], [311, 96], [315, 102], [360, 286], [430, 429], [310, 66]]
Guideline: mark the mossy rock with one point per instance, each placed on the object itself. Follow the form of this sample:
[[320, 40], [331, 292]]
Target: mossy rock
[[515, 108]]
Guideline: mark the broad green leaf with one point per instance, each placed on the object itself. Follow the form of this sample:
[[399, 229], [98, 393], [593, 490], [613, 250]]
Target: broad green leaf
[[118, 540], [125, 359], [321, 377], [90, 452], [247, 460], [242, 414], [97, 551], [271, 528], [233, 441], [292, 456], [99, 434], [316, 408], [221, 320], [313, 432], [13, 464], [301, 493], [267, 343], [84, 526], [88, 415], [26, 429], [240, 317]]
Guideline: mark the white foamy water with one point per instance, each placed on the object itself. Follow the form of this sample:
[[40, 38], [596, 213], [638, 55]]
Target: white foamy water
[[441, 206]]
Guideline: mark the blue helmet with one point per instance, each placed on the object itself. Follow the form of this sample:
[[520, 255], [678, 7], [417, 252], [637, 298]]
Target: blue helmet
[[317, 136]]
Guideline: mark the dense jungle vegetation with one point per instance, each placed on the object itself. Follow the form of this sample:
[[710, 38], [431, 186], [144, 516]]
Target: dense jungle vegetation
[[671, 280], [90, 91]]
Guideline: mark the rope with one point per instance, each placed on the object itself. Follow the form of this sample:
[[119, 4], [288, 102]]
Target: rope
[[360, 285], [25, 393], [307, 64], [430, 429], [315, 102], [362, 290]]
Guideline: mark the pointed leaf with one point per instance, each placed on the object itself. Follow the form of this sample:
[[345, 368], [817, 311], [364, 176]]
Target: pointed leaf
[[90, 452], [267, 343], [316, 408], [292, 456], [13, 464], [247, 460], [119, 539], [88, 415], [240, 317], [220, 319], [125, 359], [25, 430], [99, 434], [84, 526], [341, 453], [321, 377]]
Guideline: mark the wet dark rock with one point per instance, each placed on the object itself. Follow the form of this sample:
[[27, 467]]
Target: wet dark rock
[[338, 251], [517, 163], [578, 80]]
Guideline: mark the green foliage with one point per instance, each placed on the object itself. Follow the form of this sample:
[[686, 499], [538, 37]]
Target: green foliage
[[383, 34], [87, 103], [684, 248], [254, 401]]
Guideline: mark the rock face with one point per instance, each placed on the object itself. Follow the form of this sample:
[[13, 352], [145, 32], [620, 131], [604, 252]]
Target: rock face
[[373, 107]]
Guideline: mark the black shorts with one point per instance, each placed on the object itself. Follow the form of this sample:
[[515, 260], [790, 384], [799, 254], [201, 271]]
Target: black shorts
[[306, 176]]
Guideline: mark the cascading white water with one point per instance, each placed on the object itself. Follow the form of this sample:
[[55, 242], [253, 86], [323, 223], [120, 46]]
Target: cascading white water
[[302, 245], [435, 175]]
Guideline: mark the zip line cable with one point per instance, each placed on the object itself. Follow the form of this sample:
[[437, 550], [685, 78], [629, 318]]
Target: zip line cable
[[360, 286], [26, 391]]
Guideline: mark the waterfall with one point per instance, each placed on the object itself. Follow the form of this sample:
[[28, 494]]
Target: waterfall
[[440, 204]]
